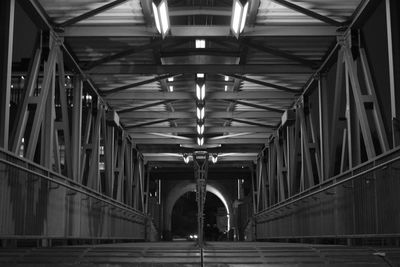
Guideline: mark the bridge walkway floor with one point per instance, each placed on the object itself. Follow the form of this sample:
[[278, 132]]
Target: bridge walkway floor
[[213, 254]]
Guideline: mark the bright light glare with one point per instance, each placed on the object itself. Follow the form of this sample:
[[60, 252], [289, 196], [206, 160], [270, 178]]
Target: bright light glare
[[171, 88], [164, 17], [244, 15], [200, 129], [200, 75], [226, 88], [156, 17], [226, 78], [200, 113], [237, 11], [200, 43], [171, 79], [195, 236], [214, 158], [186, 159], [200, 141], [200, 92]]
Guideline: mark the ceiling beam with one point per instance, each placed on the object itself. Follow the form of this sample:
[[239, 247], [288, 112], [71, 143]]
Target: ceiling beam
[[199, 10], [263, 107], [240, 95], [154, 104], [208, 130], [146, 123], [200, 68], [308, 12], [254, 123], [196, 52], [158, 140], [279, 53], [91, 13], [175, 148], [127, 52], [253, 10], [198, 31], [266, 84], [192, 115], [169, 158], [133, 85]]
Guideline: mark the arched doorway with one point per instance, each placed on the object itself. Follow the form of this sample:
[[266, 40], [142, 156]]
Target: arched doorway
[[184, 217], [182, 188]]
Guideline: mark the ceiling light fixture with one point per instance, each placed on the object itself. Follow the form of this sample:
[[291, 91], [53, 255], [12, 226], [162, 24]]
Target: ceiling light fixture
[[200, 92], [239, 14], [200, 43], [186, 158], [161, 17], [200, 113], [214, 158], [200, 141], [200, 129]]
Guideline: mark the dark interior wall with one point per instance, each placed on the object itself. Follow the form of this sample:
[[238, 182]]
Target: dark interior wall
[[374, 37], [25, 33]]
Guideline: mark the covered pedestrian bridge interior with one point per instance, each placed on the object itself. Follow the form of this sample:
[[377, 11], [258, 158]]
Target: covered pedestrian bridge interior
[[244, 132]]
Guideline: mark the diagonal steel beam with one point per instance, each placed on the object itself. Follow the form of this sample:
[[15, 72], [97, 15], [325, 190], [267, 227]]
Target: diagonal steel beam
[[244, 103], [127, 110], [91, 13], [137, 49], [279, 53], [146, 123], [308, 12], [254, 5], [254, 123], [278, 87], [133, 85]]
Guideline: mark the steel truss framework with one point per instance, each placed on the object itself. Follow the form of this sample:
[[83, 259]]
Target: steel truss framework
[[74, 132], [326, 135], [302, 153]]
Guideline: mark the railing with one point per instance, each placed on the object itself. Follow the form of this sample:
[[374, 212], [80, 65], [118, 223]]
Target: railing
[[362, 202], [38, 203]]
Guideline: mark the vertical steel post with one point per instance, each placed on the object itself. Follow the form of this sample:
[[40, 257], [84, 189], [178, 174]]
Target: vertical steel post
[[6, 45], [76, 128], [321, 128], [394, 65]]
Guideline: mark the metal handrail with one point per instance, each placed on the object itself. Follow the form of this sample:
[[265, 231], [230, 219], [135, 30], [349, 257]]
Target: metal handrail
[[81, 188], [333, 182]]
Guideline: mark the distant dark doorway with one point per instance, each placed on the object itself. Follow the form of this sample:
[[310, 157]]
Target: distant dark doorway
[[184, 218]]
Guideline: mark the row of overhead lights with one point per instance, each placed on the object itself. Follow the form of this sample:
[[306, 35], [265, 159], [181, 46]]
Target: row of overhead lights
[[238, 20], [200, 106], [186, 158]]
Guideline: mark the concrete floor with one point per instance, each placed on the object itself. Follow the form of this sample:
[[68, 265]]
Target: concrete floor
[[214, 254]]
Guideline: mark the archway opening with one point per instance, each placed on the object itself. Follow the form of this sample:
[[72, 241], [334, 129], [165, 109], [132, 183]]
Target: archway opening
[[184, 217]]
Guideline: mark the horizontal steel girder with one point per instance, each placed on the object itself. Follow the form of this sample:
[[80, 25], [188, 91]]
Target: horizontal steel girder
[[200, 68], [158, 140], [241, 95], [210, 130], [208, 115], [198, 31]]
